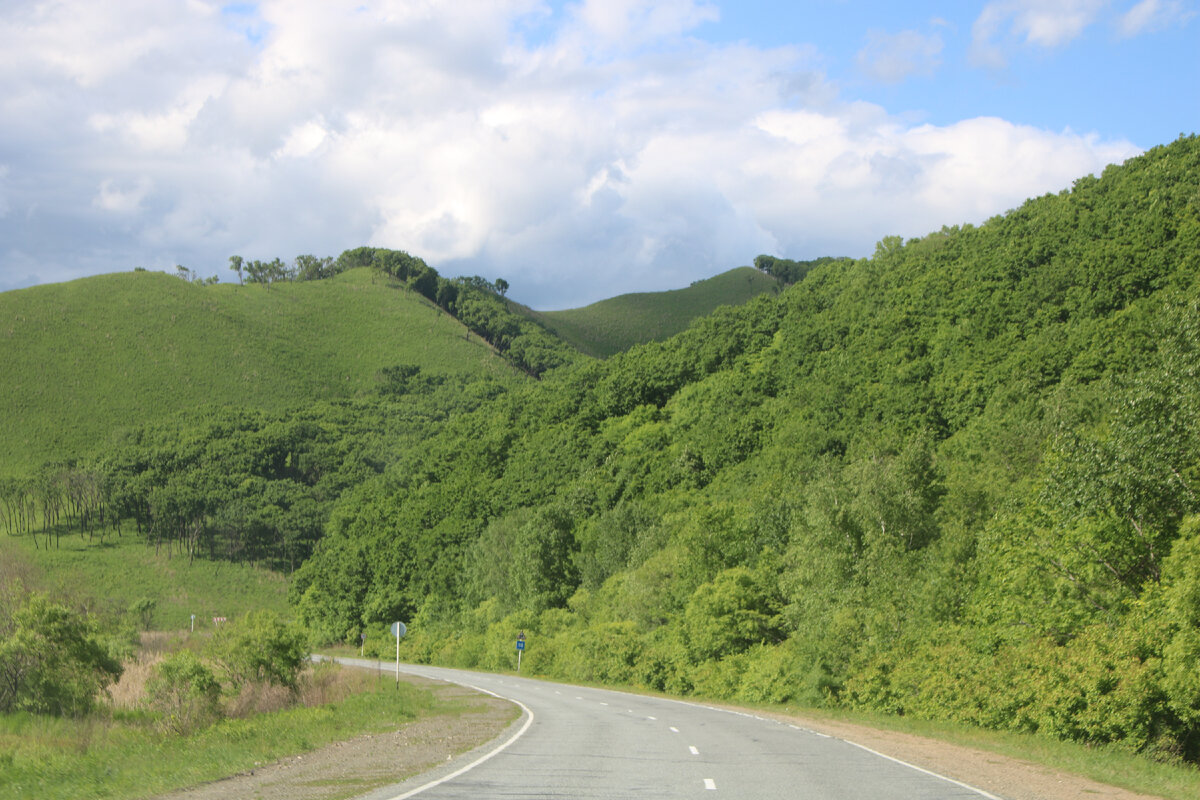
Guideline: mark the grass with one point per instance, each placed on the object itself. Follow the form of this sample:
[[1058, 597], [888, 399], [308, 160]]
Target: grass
[[108, 578], [614, 325], [125, 757], [84, 359]]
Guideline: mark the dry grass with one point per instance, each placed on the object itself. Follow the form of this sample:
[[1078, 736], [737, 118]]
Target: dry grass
[[129, 692], [162, 642], [327, 682], [258, 698], [319, 684]]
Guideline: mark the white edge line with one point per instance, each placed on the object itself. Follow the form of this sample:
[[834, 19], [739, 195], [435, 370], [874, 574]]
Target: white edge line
[[931, 773], [529, 722], [485, 756]]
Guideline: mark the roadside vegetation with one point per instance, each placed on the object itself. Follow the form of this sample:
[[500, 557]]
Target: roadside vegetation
[[88, 708], [956, 482]]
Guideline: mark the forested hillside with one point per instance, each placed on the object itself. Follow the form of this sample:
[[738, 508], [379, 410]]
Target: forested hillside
[[955, 480]]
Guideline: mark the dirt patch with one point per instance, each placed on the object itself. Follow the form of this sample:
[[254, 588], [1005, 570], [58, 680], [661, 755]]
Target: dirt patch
[[1009, 778], [355, 767]]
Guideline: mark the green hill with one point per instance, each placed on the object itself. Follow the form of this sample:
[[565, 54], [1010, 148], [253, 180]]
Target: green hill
[[614, 325], [83, 359], [959, 480]]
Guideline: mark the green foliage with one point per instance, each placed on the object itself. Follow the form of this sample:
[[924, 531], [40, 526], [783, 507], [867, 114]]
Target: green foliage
[[142, 610], [260, 648], [727, 615], [787, 270], [51, 659], [185, 692], [946, 481]]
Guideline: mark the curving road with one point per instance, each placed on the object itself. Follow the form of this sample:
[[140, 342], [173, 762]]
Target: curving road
[[577, 742]]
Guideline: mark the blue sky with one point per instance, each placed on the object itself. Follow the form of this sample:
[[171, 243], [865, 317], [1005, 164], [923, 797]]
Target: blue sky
[[577, 149]]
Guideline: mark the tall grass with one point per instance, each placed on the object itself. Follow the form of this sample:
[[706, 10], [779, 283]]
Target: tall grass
[[124, 756]]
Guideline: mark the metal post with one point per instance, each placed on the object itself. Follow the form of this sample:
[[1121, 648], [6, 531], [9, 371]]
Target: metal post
[[397, 662]]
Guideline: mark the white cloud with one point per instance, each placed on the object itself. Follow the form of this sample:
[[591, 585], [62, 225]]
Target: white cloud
[[893, 57], [121, 198], [614, 153], [628, 23], [1044, 23], [1151, 15]]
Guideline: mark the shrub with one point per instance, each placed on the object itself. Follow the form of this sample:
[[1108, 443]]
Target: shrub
[[185, 692], [260, 648], [51, 660]]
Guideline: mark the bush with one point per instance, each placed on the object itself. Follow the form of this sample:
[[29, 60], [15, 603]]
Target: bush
[[185, 692], [51, 660], [260, 648]]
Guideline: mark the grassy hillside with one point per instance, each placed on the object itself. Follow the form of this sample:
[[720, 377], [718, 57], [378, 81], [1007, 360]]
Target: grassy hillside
[[108, 579], [614, 325], [79, 360]]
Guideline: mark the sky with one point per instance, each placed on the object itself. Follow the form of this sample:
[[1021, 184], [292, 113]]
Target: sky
[[579, 150]]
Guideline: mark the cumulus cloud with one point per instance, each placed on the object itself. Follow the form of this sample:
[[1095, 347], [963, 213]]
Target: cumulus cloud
[[612, 151], [1043, 23], [893, 57]]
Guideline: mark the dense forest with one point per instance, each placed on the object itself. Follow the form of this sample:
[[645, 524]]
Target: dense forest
[[956, 480]]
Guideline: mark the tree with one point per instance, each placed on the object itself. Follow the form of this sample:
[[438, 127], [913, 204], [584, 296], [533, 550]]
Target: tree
[[236, 263], [501, 286], [51, 661]]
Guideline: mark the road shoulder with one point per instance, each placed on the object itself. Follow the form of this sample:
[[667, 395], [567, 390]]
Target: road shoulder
[[374, 763]]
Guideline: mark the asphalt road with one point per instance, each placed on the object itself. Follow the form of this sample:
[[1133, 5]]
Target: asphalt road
[[578, 742]]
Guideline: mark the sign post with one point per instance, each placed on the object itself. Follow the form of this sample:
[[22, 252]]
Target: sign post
[[362, 645], [520, 649], [193, 623], [398, 630]]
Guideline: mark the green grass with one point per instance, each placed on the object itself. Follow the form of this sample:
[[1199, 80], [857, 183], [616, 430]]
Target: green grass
[[108, 578], [612, 326], [84, 359], [47, 758]]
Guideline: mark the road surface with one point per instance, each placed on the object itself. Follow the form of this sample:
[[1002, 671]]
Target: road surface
[[578, 742]]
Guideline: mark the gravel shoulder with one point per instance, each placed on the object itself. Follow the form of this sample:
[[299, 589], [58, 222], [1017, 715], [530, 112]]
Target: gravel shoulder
[[356, 767], [1004, 776]]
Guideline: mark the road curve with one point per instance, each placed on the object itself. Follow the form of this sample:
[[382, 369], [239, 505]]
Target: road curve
[[579, 742]]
